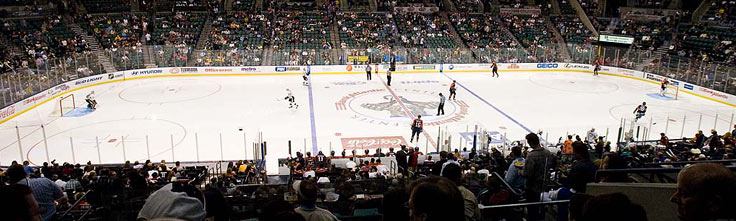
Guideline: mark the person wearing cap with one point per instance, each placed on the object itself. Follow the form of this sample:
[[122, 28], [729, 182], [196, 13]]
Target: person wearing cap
[[167, 203], [307, 195]]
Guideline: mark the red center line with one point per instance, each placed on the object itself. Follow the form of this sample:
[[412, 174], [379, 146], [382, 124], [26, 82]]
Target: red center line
[[407, 112]]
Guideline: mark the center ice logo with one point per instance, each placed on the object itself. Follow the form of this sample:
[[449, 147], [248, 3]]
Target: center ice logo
[[394, 107], [377, 106]]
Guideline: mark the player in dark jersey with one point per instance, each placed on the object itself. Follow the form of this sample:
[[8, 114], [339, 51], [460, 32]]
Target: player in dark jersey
[[597, 67], [452, 91], [640, 110], [663, 86], [494, 66], [416, 128]]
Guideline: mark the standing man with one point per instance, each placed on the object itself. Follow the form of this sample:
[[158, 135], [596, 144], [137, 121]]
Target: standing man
[[452, 91], [45, 191], [388, 76], [536, 167], [416, 128], [495, 69], [368, 71], [401, 161], [441, 108]]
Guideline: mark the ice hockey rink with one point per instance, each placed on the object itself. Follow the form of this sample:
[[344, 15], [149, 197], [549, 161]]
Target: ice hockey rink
[[210, 118]]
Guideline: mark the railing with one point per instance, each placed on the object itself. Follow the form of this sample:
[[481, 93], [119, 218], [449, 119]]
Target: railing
[[76, 203], [18, 83]]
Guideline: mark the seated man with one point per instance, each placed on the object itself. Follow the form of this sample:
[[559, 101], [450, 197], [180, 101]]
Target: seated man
[[705, 192]]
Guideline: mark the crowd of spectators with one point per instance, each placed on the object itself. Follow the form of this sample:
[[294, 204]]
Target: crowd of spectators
[[480, 31], [334, 185], [648, 34], [300, 30], [115, 30], [178, 28], [721, 13], [530, 30], [364, 30], [40, 39], [591, 7], [241, 31], [419, 30], [466, 6]]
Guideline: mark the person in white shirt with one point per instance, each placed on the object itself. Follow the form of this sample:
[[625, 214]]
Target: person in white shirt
[[350, 164]]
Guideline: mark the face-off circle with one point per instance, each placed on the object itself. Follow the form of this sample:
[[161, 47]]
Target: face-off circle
[[378, 106]]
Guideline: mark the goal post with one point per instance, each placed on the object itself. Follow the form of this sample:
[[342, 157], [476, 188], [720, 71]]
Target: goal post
[[672, 91], [66, 104]]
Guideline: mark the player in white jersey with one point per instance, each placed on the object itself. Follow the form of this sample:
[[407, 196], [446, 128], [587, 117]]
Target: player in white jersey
[[91, 102], [640, 110], [305, 76], [290, 98]]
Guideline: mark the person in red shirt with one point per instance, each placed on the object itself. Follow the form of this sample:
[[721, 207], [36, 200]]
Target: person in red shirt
[[414, 159], [416, 128], [452, 91]]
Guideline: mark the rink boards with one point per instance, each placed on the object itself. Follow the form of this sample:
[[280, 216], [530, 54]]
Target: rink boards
[[50, 94]]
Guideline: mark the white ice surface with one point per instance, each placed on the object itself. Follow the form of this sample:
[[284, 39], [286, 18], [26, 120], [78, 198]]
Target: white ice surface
[[193, 112]]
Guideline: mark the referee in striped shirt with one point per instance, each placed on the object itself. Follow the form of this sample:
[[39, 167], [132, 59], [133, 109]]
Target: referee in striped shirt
[[441, 108]]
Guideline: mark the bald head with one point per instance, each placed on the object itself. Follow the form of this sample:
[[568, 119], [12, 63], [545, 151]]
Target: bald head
[[705, 191]]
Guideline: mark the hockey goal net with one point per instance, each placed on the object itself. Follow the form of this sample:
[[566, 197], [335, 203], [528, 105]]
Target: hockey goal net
[[65, 104], [672, 91]]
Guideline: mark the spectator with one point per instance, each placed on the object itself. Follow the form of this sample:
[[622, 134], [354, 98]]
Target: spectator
[[18, 203], [577, 204], [27, 167], [453, 172], [435, 198], [583, 169], [438, 165], [513, 175], [46, 192], [307, 195], [705, 191], [279, 210], [401, 160], [567, 147], [536, 165], [173, 202]]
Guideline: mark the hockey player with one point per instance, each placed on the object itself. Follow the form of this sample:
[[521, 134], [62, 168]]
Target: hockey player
[[494, 66], [663, 86], [416, 128], [290, 97], [597, 67], [305, 76], [452, 91], [91, 102], [640, 111]]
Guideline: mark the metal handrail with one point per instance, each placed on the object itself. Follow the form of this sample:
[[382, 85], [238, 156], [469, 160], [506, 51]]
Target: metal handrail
[[691, 162], [76, 203], [482, 207], [506, 184]]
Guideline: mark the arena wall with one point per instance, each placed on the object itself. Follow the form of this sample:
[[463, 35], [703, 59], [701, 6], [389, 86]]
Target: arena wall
[[53, 93]]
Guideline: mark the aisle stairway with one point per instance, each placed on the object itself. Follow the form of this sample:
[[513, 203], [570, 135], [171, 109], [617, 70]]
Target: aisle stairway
[[94, 45], [204, 36]]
